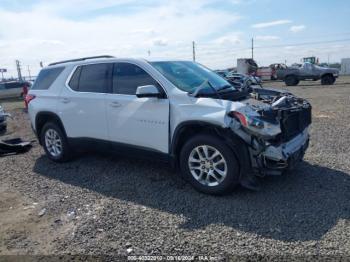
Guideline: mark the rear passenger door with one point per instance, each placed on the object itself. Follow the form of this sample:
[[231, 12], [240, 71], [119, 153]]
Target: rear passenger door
[[143, 122], [82, 105]]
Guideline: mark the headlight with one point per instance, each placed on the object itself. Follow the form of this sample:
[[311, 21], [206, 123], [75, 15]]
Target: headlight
[[254, 125], [248, 120]]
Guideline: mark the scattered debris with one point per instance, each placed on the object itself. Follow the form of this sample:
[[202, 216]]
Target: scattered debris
[[42, 212], [14, 146]]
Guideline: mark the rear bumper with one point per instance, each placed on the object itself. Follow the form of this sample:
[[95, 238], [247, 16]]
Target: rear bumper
[[274, 160]]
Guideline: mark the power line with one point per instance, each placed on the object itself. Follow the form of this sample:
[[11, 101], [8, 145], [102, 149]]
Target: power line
[[215, 50], [306, 43]]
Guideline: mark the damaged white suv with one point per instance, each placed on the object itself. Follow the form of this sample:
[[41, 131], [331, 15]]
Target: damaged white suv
[[180, 111]]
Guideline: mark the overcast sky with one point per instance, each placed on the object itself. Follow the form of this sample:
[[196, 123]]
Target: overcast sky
[[38, 30]]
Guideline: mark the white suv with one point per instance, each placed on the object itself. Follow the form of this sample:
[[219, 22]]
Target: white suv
[[179, 111]]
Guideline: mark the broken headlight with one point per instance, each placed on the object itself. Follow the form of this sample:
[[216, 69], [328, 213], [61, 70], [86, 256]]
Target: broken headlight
[[254, 125], [248, 120]]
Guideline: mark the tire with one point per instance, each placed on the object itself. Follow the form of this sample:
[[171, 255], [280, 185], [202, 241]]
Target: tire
[[226, 173], [327, 80], [291, 81], [59, 151]]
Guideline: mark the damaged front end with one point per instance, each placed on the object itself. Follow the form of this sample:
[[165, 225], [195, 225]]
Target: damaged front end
[[275, 126]]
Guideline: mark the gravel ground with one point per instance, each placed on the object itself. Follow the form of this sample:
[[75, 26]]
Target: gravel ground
[[108, 205]]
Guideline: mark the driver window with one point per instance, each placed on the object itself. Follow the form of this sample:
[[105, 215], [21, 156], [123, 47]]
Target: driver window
[[127, 77]]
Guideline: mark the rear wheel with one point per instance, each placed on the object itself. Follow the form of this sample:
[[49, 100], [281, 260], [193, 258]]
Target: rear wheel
[[291, 81], [55, 143], [327, 80], [209, 165]]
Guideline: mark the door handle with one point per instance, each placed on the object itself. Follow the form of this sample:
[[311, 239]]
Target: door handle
[[115, 104], [65, 100]]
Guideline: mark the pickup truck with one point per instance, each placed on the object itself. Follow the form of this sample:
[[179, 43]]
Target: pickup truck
[[292, 75]]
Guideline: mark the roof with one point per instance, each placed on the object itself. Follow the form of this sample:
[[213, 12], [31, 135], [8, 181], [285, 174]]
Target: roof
[[81, 59], [108, 58]]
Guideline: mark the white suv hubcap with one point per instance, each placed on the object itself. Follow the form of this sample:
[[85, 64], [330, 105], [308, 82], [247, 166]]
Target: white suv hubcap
[[53, 142], [207, 165]]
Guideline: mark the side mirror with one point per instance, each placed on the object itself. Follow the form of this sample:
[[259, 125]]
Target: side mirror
[[147, 91]]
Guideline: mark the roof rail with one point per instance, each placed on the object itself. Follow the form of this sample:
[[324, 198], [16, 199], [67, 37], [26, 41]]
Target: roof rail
[[81, 59]]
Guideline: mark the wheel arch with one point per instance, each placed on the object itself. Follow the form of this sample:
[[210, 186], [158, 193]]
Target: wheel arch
[[290, 75], [46, 116], [186, 130], [327, 74]]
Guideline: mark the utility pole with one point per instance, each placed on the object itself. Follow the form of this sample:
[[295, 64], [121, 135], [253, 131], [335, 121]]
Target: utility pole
[[30, 77], [18, 65], [252, 48], [194, 51], [328, 59]]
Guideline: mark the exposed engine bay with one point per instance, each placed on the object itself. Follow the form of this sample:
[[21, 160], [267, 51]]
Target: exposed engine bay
[[274, 125]]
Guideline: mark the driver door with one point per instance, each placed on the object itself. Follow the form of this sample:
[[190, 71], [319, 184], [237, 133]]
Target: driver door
[[142, 122]]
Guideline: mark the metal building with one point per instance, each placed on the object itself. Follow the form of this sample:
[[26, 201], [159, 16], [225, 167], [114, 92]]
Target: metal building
[[345, 66]]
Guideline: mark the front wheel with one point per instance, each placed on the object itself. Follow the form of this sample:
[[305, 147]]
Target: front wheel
[[209, 165], [291, 80], [327, 80], [55, 143]]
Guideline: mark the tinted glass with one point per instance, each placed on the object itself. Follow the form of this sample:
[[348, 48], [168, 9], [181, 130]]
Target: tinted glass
[[127, 77], [46, 77], [95, 78], [13, 85], [2, 86], [74, 81], [187, 76]]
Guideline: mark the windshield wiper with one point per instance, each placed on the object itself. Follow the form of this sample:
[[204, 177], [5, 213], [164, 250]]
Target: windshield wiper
[[202, 86], [199, 88], [224, 87]]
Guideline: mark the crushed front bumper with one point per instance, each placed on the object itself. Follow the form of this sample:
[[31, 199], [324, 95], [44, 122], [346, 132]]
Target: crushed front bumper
[[274, 159]]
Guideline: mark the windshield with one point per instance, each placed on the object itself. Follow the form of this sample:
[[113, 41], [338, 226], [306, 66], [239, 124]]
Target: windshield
[[187, 76]]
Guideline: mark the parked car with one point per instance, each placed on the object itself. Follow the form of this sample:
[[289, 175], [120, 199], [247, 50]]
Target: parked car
[[178, 111], [292, 75], [222, 73], [236, 77], [12, 89]]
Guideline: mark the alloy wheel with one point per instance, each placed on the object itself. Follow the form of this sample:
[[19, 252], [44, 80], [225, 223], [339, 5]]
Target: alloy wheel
[[53, 142], [207, 165]]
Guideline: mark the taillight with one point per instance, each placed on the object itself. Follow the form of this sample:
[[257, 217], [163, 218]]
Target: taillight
[[29, 98]]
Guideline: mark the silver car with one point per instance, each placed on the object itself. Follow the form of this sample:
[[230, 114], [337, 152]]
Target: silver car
[[12, 89]]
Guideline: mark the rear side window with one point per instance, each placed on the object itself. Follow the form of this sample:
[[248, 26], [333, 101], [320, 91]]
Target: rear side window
[[46, 77], [94, 78], [74, 81], [127, 77]]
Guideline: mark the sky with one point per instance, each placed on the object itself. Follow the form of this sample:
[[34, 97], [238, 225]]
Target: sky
[[283, 31]]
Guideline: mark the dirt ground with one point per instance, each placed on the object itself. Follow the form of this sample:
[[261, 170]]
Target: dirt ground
[[107, 205]]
